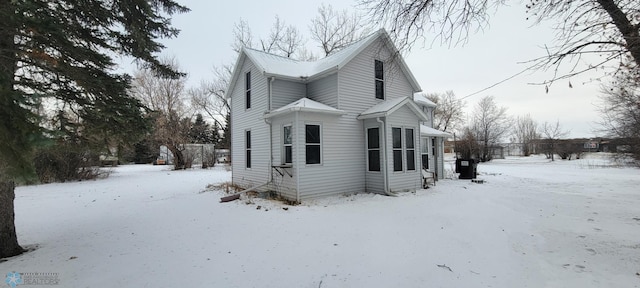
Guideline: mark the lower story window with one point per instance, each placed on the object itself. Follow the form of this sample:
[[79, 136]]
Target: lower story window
[[248, 148], [312, 144], [397, 148], [373, 148], [424, 151], [411, 151], [287, 141]]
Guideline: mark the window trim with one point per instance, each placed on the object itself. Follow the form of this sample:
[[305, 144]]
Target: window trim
[[378, 80], [395, 149], [369, 150], [424, 151], [285, 145], [404, 149], [247, 90], [412, 149], [320, 144], [247, 149]]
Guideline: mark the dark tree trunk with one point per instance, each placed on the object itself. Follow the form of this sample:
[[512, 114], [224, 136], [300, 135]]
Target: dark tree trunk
[[178, 158], [8, 238], [627, 29]]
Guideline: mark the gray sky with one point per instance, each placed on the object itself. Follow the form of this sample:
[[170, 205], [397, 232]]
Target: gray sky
[[489, 56]]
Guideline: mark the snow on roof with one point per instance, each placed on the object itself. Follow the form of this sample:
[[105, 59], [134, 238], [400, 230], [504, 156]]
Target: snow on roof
[[304, 105], [387, 107], [421, 98], [283, 66], [428, 131]]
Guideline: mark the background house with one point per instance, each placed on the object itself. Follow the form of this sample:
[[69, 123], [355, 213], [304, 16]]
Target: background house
[[347, 123]]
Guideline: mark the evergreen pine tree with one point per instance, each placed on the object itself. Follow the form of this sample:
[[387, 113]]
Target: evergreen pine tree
[[200, 132], [63, 50], [215, 134], [225, 142]]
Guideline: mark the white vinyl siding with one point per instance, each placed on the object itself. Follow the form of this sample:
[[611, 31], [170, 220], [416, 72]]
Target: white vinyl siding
[[355, 80], [324, 90], [405, 180], [343, 158], [285, 92], [252, 119], [283, 180]]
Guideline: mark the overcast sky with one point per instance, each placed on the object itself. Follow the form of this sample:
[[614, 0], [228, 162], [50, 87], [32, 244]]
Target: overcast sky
[[489, 56]]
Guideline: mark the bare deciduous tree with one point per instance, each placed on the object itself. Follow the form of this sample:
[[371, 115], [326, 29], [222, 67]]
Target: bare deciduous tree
[[209, 97], [166, 97], [449, 114], [608, 29], [242, 36], [291, 41], [334, 30], [605, 28], [283, 39], [620, 109], [489, 124], [408, 21], [526, 132], [552, 134]]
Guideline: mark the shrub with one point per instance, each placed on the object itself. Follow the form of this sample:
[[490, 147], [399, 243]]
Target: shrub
[[64, 162]]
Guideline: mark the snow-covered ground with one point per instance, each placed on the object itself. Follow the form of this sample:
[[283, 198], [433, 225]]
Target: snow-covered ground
[[533, 223]]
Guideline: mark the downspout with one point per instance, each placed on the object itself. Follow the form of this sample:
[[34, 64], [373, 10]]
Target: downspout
[[297, 161], [385, 175], [268, 121]]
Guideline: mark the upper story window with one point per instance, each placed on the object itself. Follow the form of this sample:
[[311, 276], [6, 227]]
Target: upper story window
[[247, 90], [286, 143], [379, 76], [312, 144]]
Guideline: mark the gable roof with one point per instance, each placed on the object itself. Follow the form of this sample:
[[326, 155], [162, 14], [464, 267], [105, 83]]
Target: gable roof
[[294, 70], [304, 105], [387, 108]]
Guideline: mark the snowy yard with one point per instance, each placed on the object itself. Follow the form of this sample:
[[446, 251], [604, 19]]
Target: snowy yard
[[533, 223]]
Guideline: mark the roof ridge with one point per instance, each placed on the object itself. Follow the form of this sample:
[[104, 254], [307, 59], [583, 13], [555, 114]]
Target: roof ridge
[[272, 54], [319, 59]]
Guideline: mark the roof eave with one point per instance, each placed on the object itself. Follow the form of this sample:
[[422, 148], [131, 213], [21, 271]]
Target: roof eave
[[403, 65], [302, 109], [236, 72], [372, 115], [301, 79]]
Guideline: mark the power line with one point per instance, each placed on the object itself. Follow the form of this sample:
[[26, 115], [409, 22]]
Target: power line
[[496, 84]]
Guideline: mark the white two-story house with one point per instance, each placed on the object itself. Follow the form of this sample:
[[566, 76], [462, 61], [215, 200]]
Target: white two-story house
[[347, 123]]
